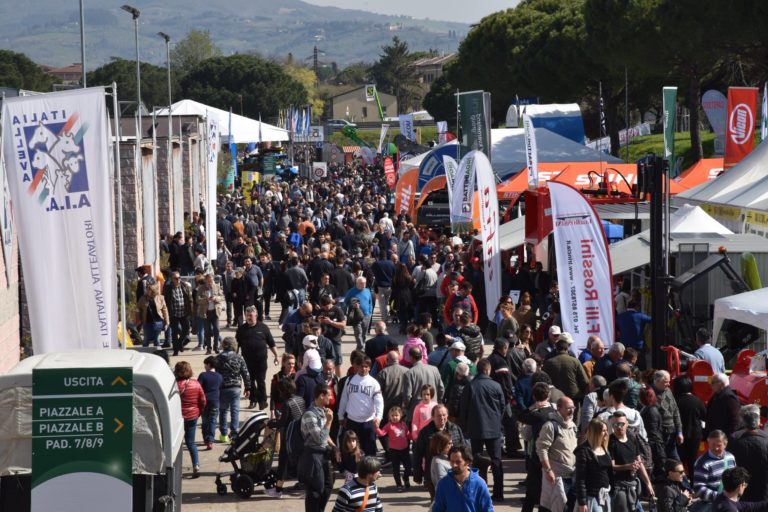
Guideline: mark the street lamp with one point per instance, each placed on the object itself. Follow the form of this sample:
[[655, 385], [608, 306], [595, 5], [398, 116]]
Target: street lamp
[[136, 13]]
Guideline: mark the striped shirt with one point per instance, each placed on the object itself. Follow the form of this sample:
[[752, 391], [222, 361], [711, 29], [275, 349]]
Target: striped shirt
[[708, 472], [352, 494]]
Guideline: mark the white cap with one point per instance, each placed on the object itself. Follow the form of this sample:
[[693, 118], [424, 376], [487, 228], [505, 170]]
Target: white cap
[[458, 345], [309, 341]]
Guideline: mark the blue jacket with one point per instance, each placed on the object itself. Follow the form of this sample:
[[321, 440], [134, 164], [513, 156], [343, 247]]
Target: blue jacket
[[630, 325], [365, 297], [474, 497]]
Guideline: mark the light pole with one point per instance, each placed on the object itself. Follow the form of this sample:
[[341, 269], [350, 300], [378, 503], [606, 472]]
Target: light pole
[[82, 41], [136, 13], [169, 155]]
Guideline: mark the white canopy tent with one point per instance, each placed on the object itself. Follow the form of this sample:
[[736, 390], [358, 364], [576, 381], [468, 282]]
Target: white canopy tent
[[749, 308], [635, 251], [244, 129], [745, 184], [511, 234]]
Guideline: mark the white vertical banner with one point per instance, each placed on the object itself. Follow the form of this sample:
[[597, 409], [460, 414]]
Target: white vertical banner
[[583, 266], [531, 152], [450, 165], [149, 198], [58, 159], [213, 144], [463, 193], [406, 127], [764, 115], [194, 163], [178, 186], [489, 227], [6, 220], [442, 129], [383, 135]]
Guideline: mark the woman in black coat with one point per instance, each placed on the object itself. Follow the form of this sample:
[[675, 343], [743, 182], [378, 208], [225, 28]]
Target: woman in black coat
[[692, 413], [592, 478], [402, 291], [652, 422], [671, 495]]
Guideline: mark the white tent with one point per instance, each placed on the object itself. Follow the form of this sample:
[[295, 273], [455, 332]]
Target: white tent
[[745, 184], [511, 234], [749, 308], [244, 129], [635, 251]]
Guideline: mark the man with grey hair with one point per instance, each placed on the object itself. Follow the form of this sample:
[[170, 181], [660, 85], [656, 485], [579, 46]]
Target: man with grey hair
[[589, 404], [723, 407], [419, 375], [377, 346], [607, 365], [359, 305], [750, 447], [671, 425]]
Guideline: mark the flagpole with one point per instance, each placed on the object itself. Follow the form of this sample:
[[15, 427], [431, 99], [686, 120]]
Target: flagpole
[[599, 115], [120, 241], [626, 113]]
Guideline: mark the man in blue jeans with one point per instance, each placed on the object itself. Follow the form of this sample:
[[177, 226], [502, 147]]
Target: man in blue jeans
[[233, 369]]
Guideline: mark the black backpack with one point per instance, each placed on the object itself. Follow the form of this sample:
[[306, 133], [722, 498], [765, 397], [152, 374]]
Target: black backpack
[[294, 440]]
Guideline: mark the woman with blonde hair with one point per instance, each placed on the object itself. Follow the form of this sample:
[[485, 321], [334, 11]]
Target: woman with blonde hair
[[525, 314], [592, 478], [153, 313]]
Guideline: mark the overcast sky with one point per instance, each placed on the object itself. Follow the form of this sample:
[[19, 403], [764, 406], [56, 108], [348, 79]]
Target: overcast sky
[[451, 10]]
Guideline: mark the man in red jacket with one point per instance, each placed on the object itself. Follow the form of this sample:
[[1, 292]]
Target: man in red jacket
[[463, 299]]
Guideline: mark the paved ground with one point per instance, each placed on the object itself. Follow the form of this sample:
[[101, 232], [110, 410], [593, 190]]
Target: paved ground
[[199, 495]]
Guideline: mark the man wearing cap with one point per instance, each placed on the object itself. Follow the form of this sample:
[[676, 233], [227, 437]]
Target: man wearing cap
[[312, 374], [566, 371], [254, 339], [545, 350], [457, 349]]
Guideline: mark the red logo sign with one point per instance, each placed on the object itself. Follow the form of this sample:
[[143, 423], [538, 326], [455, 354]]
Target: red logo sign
[[740, 130], [741, 123], [389, 173]]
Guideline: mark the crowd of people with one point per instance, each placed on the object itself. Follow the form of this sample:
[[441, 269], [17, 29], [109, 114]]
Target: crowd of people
[[599, 430]]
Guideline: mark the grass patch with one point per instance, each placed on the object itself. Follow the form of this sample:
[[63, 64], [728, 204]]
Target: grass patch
[[641, 146], [371, 136]]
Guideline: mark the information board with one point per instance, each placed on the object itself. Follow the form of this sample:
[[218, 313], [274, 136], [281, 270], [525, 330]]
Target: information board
[[82, 439]]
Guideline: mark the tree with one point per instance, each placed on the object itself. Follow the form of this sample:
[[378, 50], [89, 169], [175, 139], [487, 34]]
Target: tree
[[264, 86], [394, 74], [307, 78], [17, 71], [354, 74], [196, 47], [440, 101], [154, 82]]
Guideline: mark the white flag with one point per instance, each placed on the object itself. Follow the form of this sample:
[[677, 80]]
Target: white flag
[[382, 136], [213, 147], [58, 160], [450, 166], [463, 193], [406, 126], [583, 267], [6, 220], [442, 129], [489, 227], [764, 115], [531, 155]]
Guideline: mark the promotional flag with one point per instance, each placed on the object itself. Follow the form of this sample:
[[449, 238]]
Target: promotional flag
[[249, 179], [489, 227], [531, 152], [370, 92], [405, 192], [764, 115], [715, 105], [406, 127], [740, 128], [261, 139], [149, 199], [6, 220], [59, 162], [389, 173], [382, 136], [432, 164], [462, 196], [442, 129], [451, 166], [319, 170], [212, 160], [474, 122], [229, 178], [583, 267], [669, 101]]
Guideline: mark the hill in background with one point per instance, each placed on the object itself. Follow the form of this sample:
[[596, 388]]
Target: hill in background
[[48, 32]]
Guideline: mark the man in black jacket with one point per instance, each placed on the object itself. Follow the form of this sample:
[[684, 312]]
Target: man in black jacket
[[723, 407], [482, 409], [750, 448], [506, 366], [421, 457], [254, 339]]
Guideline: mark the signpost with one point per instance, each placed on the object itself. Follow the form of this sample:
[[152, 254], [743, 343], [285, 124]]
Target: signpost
[[269, 165], [82, 439]]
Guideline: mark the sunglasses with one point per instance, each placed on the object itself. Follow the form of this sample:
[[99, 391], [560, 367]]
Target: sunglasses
[[619, 425]]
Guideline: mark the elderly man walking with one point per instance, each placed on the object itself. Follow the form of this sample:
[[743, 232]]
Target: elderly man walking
[[359, 297], [555, 448]]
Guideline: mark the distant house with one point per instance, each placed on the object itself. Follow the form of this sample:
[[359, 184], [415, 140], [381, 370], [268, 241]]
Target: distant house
[[69, 75], [352, 106], [429, 69]]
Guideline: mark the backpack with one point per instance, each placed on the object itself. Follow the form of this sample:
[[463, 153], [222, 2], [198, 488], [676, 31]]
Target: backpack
[[549, 418], [473, 339], [294, 439], [355, 314], [644, 448]]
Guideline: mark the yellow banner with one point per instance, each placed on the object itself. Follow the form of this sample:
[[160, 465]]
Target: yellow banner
[[249, 180], [757, 218], [722, 211]]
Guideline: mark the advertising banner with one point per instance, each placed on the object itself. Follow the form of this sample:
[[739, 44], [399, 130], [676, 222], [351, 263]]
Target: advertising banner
[[6, 220], [669, 101], [583, 267], [319, 170], [715, 105], [58, 161], [389, 173], [531, 152], [370, 92], [489, 227], [475, 122], [764, 115], [740, 125], [451, 166], [406, 127], [249, 180], [432, 164], [442, 129], [463, 195], [382, 136], [405, 192], [82, 439], [212, 163]]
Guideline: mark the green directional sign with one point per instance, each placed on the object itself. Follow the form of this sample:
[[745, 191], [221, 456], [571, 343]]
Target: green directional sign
[[82, 439], [269, 165]]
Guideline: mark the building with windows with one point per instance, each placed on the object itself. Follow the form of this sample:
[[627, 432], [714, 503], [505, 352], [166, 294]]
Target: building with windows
[[353, 106], [429, 69]]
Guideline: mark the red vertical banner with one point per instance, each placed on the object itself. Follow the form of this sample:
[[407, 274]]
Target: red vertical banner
[[740, 124], [405, 192], [389, 173]]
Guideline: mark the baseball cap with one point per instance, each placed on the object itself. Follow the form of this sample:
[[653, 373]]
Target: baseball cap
[[566, 336], [458, 345], [555, 330], [309, 341]]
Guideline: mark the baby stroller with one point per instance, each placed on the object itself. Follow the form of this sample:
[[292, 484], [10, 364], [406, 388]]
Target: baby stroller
[[251, 457]]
